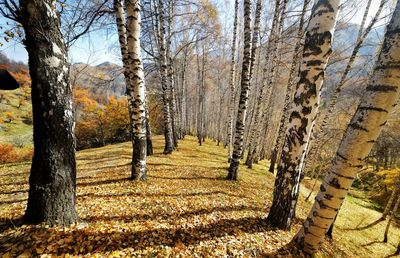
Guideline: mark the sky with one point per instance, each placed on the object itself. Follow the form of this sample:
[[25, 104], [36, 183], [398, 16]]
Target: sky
[[102, 46]]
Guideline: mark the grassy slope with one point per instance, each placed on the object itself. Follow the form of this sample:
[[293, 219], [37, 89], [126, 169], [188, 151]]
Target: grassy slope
[[184, 208], [17, 127]]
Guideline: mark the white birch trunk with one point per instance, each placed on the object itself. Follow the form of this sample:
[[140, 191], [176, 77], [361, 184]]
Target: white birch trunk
[[382, 94], [289, 90], [136, 90], [317, 49], [232, 84], [333, 100], [244, 94]]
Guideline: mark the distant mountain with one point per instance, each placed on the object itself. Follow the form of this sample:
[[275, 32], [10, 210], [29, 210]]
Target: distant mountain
[[104, 79]]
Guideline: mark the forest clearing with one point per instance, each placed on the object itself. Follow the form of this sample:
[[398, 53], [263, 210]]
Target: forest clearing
[[199, 128], [184, 209]]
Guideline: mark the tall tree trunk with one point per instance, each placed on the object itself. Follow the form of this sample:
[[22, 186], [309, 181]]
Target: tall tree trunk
[[254, 45], [333, 99], [232, 84], [244, 94], [317, 49], [168, 134], [389, 203], [380, 97], [266, 90], [129, 40], [137, 91], [171, 74], [52, 180], [275, 38], [289, 90], [392, 214]]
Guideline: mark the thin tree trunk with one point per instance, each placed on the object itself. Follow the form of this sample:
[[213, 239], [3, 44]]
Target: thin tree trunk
[[389, 203], [168, 134], [380, 97], [392, 214], [317, 49], [232, 84], [244, 94], [171, 75], [52, 180], [289, 90], [149, 141], [270, 78]]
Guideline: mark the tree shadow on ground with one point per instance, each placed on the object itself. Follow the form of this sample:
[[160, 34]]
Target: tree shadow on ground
[[10, 192], [188, 178], [370, 225], [15, 174], [372, 243], [19, 183], [91, 241], [102, 182], [7, 223], [144, 194], [13, 201], [161, 214]]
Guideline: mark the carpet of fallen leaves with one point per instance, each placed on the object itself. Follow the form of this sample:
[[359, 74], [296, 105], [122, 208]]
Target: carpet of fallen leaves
[[184, 209]]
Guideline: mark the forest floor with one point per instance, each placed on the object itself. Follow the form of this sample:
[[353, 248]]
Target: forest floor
[[184, 209]]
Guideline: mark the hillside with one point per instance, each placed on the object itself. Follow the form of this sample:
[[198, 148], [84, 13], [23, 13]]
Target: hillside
[[185, 208], [16, 111]]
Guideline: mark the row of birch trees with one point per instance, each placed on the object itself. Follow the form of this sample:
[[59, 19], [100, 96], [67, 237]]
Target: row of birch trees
[[257, 92]]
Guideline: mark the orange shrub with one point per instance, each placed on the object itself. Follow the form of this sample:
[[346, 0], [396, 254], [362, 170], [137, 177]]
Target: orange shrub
[[9, 154]]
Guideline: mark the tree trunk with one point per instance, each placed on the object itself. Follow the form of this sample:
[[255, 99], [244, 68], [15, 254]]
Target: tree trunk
[[289, 90], [389, 203], [232, 84], [136, 91], [149, 141], [333, 99], [168, 134], [129, 40], [244, 94], [317, 49], [380, 97], [392, 214], [171, 75], [52, 180], [274, 40]]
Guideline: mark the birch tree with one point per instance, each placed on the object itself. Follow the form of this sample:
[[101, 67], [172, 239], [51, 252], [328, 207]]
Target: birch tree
[[317, 49], [232, 83], [136, 91], [168, 133], [391, 217], [289, 89], [268, 80], [129, 32], [244, 94], [361, 36], [389, 203], [380, 97], [52, 179]]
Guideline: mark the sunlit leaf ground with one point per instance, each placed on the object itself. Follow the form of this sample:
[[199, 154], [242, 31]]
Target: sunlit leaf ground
[[185, 209]]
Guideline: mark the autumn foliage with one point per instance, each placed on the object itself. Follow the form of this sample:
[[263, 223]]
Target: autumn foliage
[[10, 154], [99, 124]]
